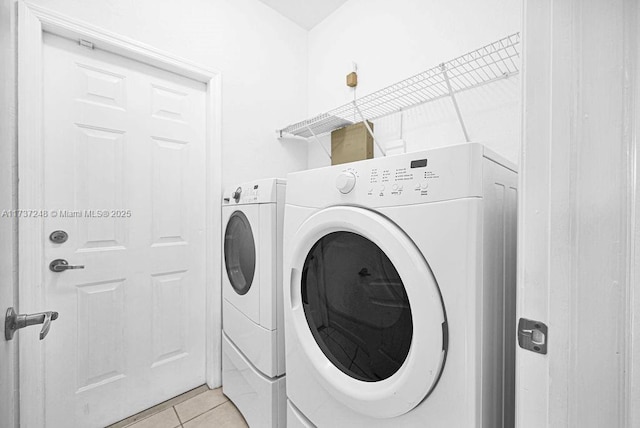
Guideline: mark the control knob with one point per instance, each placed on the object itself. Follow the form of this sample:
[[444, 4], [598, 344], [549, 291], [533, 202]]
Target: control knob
[[345, 182], [236, 195]]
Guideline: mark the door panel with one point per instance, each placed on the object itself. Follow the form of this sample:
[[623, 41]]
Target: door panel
[[103, 154], [169, 339], [98, 334], [169, 192], [124, 175]]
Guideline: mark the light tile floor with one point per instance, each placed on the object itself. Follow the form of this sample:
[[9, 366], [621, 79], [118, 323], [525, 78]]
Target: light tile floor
[[198, 408]]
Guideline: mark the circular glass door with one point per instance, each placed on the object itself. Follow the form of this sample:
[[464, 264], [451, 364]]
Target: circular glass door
[[366, 310], [239, 252], [356, 306]]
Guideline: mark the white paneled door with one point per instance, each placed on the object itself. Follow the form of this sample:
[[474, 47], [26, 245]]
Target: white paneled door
[[124, 178]]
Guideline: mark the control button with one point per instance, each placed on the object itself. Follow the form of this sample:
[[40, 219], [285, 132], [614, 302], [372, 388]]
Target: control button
[[382, 188], [395, 187], [424, 185], [371, 190], [417, 186], [345, 182]]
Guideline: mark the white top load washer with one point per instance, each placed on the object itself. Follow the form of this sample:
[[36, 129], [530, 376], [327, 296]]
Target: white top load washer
[[400, 291], [252, 316]]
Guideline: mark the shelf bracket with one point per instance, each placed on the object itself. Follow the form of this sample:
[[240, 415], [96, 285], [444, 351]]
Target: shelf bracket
[[366, 124], [454, 101], [280, 135], [318, 141]]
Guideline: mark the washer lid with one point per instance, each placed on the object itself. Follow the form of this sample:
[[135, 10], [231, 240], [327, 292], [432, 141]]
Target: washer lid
[[367, 311]]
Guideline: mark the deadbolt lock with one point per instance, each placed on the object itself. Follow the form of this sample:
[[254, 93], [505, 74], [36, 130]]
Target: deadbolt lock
[[59, 236]]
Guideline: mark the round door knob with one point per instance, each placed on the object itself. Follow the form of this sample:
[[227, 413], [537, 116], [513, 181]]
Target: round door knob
[[345, 182]]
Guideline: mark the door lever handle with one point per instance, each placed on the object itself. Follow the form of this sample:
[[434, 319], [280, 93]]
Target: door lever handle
[[46, 323], [60, 265], [13, 322]]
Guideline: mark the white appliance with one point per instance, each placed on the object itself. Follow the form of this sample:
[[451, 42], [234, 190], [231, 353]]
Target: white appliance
[[252, 318], [400, 291]]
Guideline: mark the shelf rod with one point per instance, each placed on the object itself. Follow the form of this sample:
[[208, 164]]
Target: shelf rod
[[366, 124], [454, 101], [319, 142]]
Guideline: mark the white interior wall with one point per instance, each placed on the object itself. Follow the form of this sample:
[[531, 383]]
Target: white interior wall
[[391, 41], [261, 55]]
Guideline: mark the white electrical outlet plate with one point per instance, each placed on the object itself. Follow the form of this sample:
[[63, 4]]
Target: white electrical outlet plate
[[395, 147]]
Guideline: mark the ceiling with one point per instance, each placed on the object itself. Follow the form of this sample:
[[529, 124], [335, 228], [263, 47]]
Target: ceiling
[[305, 13]]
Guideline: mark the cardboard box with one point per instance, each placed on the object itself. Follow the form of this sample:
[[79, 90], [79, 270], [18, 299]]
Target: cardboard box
[[351, 143]]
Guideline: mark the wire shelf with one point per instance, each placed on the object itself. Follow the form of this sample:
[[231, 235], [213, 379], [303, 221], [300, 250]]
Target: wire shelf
[[492, 62]]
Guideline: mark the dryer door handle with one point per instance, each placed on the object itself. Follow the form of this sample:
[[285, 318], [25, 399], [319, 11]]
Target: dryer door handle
[[295, 289]]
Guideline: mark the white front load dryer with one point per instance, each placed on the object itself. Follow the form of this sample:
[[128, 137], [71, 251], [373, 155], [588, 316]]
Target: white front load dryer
[[399, 293], [252, 318]]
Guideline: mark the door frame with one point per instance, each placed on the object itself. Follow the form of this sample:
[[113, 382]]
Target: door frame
[[632, 357], [32, 22], [561, 106]]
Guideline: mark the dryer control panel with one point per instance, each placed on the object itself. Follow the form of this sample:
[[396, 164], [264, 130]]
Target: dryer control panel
[[409, 180], [414, 177], [427, 176]]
